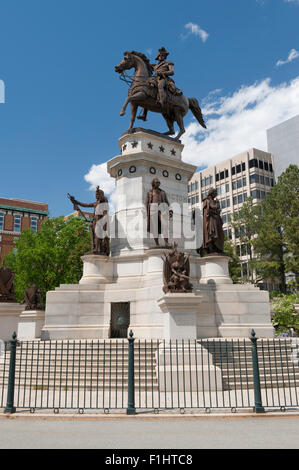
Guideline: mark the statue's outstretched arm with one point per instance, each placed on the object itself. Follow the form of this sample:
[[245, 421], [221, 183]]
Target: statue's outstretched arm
[[83, 204]]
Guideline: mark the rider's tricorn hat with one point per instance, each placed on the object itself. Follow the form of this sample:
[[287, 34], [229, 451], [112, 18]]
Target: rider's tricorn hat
[[162, 50]]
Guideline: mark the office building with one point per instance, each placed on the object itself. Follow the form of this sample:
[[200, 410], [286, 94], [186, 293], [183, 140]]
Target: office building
[[283, 143]]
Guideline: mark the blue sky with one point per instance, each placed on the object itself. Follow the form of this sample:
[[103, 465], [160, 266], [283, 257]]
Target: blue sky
[[60, 118]]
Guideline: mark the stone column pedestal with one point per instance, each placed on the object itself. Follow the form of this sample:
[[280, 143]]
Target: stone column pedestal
[[185, 366], [97, 269], [215, 270], [30, 324], [180, 315]]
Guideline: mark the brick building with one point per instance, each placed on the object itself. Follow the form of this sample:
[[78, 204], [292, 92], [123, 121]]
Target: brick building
[[17, 215]]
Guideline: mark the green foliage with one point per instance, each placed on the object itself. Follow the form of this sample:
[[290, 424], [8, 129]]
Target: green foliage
[[277, 244], [245, 224], [234, 264], [285, 315], [49, 257]]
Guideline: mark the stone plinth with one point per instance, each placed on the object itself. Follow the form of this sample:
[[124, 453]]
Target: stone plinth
[[30, 324], [180, 315], [215, 270], [186, 366], [97, 269], [146, 156], [9, 318]]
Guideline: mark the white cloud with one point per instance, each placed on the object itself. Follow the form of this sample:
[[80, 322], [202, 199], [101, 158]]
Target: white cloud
[[292, 1], [238, 122], [196, 30], [293, 54], [98, 176]]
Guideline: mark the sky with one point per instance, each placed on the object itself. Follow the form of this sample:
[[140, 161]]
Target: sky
[[60, 123]]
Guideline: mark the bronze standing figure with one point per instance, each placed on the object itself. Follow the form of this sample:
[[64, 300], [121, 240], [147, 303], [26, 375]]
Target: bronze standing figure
[[100, 244], [156, 196], [213, 235], [159, 93]]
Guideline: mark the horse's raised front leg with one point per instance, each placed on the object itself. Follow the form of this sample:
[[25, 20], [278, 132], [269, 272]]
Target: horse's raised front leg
[[123, 109], [134, 108]]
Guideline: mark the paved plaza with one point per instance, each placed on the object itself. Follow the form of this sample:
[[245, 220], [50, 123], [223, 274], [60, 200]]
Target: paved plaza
[[152, 433]]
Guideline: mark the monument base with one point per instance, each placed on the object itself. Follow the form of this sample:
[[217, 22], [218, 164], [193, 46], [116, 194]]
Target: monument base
[[180, 315], [216, 308]]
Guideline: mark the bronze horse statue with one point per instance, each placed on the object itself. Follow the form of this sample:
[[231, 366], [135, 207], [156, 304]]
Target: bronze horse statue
[[143, 92]]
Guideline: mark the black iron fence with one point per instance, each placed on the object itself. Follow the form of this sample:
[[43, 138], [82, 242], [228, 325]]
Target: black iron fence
[[130, 374]]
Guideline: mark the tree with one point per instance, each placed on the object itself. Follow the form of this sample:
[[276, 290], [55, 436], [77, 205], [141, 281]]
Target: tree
[[277, 243], [49, 257], [234, 264], [245, 224]]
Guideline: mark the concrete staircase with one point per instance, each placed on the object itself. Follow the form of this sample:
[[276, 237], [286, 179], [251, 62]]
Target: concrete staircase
[[278, 363], [103, 365], [100, 365]]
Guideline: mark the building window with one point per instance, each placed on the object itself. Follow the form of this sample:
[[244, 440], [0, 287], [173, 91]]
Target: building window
[[256, 194], [222, 175], [17, 224], [235, 200], [224, 218], [223, 204], [244, 197], [233, 170], [238, 168], [234, 185], [227, 188], [33, 224], [226, 173], [240, 198], [266, 166], [254, 178], [239, 183], [244, 181], [262, 179], [253, 163], [1, 221], [243, 166], [217, 177], [267, 181], [270, 167], [261, 164], [228, 202]]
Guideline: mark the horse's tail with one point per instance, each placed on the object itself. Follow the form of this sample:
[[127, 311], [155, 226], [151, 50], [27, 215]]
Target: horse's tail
[[194, 106]]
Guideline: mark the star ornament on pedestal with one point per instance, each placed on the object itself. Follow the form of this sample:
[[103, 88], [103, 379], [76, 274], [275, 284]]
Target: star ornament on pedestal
[[134, 144], [150, 145], [173, 152], [161, 148]]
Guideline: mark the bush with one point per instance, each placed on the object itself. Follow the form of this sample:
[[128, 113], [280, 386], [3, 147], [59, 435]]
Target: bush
[[285, 315]]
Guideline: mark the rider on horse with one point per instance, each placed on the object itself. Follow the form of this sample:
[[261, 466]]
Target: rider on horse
[[163, 70]]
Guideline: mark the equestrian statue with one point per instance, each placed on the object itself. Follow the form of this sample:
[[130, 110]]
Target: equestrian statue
[[157, 92]]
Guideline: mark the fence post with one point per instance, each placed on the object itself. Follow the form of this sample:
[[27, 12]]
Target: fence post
[[131, 410], [11, 377], [258, 407]]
